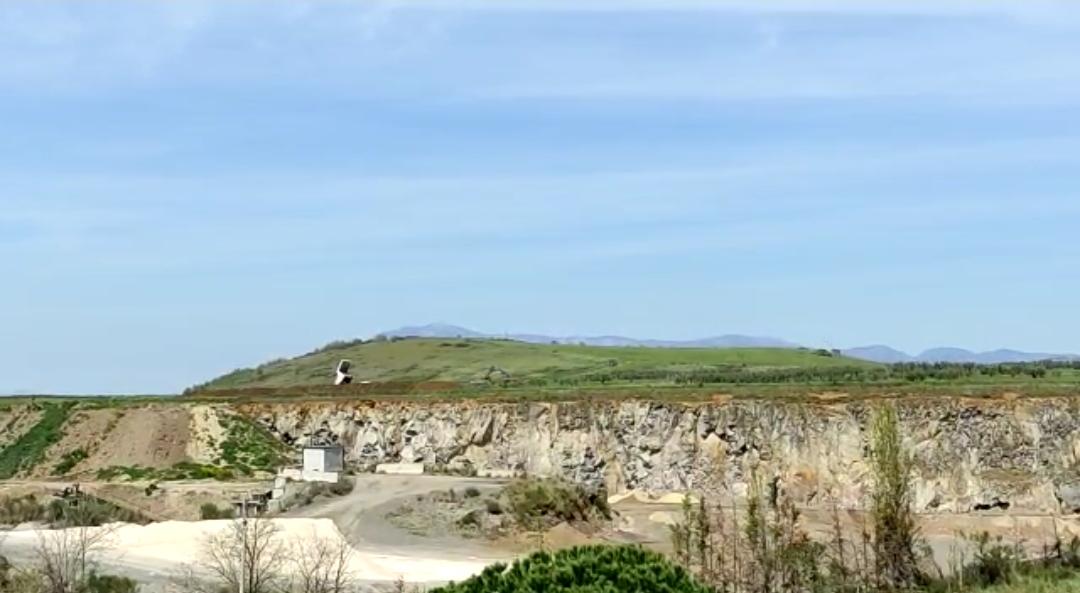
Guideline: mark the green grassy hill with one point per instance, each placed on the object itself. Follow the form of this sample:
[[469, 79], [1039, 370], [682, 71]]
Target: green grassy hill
[[469, 361]]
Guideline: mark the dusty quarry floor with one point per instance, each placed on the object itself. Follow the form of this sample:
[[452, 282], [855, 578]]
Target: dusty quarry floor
[[157, 553]]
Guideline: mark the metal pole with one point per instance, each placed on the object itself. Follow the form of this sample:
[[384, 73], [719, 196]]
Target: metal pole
[[243, 544]]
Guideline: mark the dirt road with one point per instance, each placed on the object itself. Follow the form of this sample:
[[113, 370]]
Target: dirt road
[[155, 553], [361, 517]]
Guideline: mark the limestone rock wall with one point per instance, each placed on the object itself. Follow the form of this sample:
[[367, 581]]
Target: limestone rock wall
[[970, 454]]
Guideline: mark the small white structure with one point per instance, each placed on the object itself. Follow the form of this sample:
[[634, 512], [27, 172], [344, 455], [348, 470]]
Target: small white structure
[[329, 458], [323, 463], [341, 373]]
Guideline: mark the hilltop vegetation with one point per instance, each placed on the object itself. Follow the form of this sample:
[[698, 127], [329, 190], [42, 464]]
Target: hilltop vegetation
[[487, 361], [444, 365]]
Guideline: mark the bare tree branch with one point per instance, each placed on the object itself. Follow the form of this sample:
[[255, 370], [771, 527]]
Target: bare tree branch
[[321, 565], [247, 551]]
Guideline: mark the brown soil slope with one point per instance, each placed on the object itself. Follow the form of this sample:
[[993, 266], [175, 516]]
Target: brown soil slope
[[150, 436], [15, 421]]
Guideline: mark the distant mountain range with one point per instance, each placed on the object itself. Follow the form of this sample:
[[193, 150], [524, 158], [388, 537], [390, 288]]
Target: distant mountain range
[[443, 330], [875, 353]]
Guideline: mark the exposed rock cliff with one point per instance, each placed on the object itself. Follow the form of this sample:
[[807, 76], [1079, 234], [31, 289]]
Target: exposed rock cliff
[[970, 454]]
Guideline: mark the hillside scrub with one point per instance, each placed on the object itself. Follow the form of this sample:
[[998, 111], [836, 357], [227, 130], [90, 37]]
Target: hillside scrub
[[69, 460], [29, 449], [524, 505], [210, 512], [180, 471], [544, 501], [81, 511], [15, 510], [402, 366], [470, 362], [248, 447]]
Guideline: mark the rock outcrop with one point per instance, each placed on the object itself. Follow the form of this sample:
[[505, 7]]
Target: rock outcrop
[[1022, 454]]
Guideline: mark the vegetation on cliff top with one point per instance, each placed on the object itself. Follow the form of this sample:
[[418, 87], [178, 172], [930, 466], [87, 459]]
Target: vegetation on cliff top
[[477, 366], [498, 361]]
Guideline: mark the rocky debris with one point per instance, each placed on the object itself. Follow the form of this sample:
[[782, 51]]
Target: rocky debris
[[452, 513], [524, 505], [1069, 496], [969, 454]]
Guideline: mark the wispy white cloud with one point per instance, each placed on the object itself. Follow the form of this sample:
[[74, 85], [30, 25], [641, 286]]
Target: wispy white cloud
[[966, 49], [763, 200]]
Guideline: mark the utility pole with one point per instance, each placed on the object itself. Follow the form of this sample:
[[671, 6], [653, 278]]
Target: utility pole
[[243, 545]]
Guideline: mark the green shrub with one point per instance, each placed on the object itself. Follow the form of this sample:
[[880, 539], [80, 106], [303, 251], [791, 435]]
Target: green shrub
[[995, 562], [210, 511], [314, 490], [342, 487], [181, 471], [537, 501], [20, 509], [104, 583], [5, 573], [69, 460], [587, 569], [87, 511], [472, 492], [248, 446], [470, 519]]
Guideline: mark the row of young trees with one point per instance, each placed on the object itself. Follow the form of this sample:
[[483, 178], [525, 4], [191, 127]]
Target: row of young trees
[[737, 374]]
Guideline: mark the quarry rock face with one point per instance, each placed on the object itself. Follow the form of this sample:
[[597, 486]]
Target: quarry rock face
[[968, 454]]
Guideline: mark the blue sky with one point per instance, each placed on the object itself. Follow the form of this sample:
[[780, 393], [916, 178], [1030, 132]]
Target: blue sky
[[190, 187]]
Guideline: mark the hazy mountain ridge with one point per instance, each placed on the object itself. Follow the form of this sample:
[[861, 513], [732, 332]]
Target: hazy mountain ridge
[[446, 330], [876, 353]]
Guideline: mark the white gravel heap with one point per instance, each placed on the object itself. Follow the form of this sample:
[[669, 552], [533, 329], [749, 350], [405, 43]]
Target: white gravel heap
[[169, 546]]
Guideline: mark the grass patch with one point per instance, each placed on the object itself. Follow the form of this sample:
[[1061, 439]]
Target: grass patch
[[249, 447], [1040, 584], [29, 449], [493, 369], [472, 361], [69, 461], [180, 471]]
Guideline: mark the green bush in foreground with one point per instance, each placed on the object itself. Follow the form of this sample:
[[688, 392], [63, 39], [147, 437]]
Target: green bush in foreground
[[1035, 584], [105, 583], [586, 569]]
